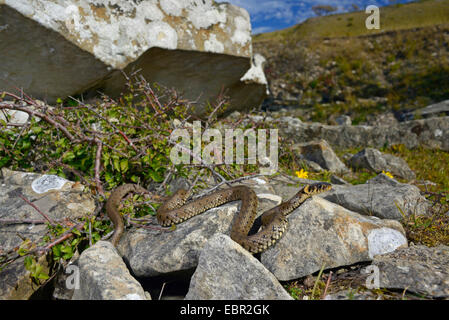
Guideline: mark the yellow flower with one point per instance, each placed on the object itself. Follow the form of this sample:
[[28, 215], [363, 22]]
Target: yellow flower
[[302, 174], [389, 175]]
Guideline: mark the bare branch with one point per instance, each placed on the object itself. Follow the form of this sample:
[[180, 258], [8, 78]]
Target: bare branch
[[62, 238], [98, 167], [228, 183], [36, 208], [46, 118]]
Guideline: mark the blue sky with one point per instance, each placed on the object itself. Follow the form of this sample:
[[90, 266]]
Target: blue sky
[[270, 15]]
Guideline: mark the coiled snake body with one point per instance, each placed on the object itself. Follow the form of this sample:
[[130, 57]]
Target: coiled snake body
[[174, 210]]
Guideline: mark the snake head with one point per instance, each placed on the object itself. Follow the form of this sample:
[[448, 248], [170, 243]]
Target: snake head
[[316, 188]]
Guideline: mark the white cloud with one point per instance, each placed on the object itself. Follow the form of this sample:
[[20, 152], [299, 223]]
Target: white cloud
[[268, 9], [262, 29]]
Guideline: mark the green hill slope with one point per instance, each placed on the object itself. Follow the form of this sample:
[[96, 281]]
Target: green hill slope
[[395, 17]]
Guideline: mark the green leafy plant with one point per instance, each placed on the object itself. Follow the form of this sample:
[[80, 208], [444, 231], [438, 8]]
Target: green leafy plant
[[102, 145], [36, 270], [131, 133]]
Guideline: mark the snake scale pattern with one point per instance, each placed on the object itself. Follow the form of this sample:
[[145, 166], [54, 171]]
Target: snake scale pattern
[[175, 210]]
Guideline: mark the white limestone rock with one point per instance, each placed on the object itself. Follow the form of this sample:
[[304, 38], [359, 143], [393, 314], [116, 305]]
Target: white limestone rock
[[58, 48], [226, 271], [321, 232], [103, 276]]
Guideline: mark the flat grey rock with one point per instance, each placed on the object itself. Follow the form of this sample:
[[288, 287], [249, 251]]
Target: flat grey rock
[[151, 252], [384, 179], [226, 271], [56, 197], [379, 197], [382, 200], [321, 232], [338, 180], [417, 269], [154, 252], [431, 133], [16, 282], [376, 161], [434, 109]]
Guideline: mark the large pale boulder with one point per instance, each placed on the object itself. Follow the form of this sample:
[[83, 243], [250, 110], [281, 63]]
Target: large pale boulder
[[103, 276], [226, 271], [321, 232], [56, 48]]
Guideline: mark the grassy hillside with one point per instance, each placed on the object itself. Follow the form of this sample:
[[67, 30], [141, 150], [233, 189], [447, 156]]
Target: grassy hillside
[[405, 67], [396, 17]]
